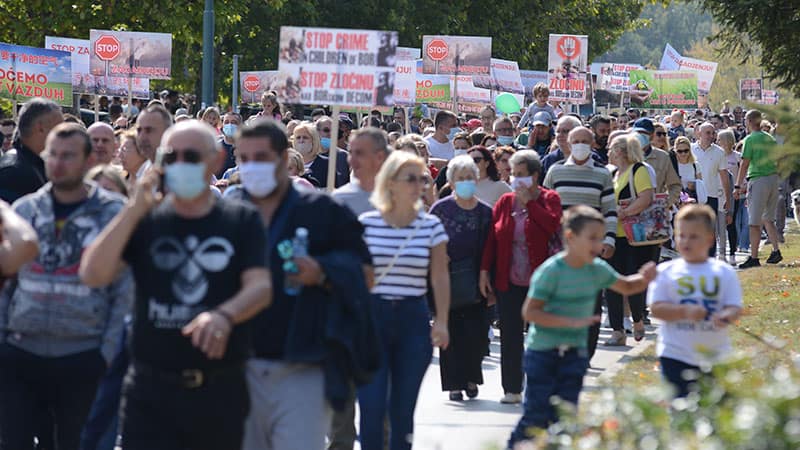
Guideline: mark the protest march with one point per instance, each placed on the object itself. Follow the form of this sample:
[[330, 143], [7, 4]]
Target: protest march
[[279, 269]]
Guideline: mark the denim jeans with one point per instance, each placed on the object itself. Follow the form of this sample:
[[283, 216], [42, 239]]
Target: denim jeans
[[742, 225], [549, 373], [674, 372], [405, 339]]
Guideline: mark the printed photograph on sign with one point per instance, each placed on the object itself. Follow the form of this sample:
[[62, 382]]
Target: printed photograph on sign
[[769, 97], [27, 72], [408, 54], [254, 84], [337, 66], [567, 63], [82, 81], [444, 55], [130, 53], [750, 89], [531, 78], [663, 89]]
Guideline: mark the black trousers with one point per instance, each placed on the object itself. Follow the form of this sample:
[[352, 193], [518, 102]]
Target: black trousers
[[461, 362], [509, 304], [160, 415], [594, 330], [63, 388], [733, 231], [713, 203], [627, 260]]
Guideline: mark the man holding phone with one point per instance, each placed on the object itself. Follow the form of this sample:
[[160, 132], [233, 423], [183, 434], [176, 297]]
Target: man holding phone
[[200, 275]]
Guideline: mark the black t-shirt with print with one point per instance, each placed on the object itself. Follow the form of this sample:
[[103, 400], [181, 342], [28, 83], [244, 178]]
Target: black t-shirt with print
[[183, 267]]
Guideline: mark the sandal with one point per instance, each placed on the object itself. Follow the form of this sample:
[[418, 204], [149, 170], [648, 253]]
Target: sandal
[[617, 339]]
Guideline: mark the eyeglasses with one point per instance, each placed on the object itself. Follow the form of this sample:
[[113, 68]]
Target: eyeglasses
[[683, 150], [660, 133], [478, 159], [416, 179], [189, 155]]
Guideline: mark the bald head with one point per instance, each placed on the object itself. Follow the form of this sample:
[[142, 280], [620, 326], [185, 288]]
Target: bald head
[[103, 143], [580, 135], [706, 133]]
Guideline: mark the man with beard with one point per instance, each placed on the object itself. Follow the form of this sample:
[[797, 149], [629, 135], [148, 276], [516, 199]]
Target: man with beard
[[60, 334], [150, 127], [601, 127]]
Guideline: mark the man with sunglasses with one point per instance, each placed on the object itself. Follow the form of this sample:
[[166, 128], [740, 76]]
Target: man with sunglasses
[[7, 127], [200, 275], [311, 347]]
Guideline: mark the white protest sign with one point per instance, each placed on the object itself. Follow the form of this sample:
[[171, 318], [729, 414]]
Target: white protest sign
[[567, 65], [672, 60], [337, 66], [130, 54], [405, 92], [408, 54]]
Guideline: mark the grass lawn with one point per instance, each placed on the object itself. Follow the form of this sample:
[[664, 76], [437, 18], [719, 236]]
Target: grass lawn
[[772, 310]]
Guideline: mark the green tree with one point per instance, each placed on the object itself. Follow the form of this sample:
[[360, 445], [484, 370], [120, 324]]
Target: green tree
[[768, 30]]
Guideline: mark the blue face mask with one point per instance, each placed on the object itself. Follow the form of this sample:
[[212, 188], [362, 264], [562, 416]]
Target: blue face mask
[[465, 189], [453, 132], [326, 143], [505, 140], [229, 129], [186, 180], [643, 140]]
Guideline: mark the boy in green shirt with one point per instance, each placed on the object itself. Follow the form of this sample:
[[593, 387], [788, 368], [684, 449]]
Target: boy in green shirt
[[559, 307]]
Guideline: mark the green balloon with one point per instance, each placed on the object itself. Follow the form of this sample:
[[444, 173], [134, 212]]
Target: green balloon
[[507, 103]]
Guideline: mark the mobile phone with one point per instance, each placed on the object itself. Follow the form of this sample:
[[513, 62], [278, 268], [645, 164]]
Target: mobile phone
[[159, 165]]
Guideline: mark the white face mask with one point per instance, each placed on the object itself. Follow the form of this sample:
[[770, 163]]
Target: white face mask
[[580, 152], [303, 147], [258, 178], [521, 182], [458, 152]]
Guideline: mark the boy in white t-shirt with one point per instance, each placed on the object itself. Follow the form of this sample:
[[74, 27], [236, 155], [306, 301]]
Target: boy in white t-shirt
[[696, 297]]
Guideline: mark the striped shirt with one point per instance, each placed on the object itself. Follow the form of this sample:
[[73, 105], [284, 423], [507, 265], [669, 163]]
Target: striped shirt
[[589, 184], [409, 275]]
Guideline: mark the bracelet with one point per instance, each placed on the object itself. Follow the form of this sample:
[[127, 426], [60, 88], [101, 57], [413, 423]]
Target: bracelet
[[736, 186], [226, 315]]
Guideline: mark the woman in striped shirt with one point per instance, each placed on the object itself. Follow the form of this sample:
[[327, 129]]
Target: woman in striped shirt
[[405, 243]]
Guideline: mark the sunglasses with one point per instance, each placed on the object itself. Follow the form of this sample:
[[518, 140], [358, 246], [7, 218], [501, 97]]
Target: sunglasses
[[685, 150], [189, 155], [478, 159], [660, 133], [416, 179]]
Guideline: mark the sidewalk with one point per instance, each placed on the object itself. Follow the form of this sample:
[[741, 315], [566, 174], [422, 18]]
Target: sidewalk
[[485, 423]]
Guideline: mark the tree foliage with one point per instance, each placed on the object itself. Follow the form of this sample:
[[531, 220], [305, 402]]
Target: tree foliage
[[679, 24], [519, 28], [769, 26]]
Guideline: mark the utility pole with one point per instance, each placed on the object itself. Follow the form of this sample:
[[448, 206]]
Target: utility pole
[[208, 55]]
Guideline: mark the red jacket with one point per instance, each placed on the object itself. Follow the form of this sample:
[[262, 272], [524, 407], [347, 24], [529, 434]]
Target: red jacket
[[544, 217]]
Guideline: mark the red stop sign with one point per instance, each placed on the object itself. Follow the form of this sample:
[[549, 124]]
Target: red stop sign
[[437, 49], [251, 83], [106, 47]]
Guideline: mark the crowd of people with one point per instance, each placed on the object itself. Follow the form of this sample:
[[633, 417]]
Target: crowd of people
[[186, 282]]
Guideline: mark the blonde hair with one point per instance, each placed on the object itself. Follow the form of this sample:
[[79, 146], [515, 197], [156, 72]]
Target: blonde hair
[[311, 129], [296, 161], [112, 173], [629, 145], [663, 128], [382, 196], [684, 140]]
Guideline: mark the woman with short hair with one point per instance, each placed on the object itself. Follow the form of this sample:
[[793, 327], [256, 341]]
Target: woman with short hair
[[467, 221], [490, 187], [409, 249], [523, 222]]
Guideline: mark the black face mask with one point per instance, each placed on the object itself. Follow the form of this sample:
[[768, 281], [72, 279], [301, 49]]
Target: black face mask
[[602, 141]]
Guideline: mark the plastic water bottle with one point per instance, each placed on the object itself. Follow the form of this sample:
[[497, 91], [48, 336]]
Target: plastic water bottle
[[299, 249]]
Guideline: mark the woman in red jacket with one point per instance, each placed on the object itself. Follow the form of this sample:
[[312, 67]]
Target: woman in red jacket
[[523, 222]]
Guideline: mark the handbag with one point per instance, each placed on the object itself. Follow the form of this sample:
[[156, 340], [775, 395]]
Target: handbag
[[464, 283], [651, 226]]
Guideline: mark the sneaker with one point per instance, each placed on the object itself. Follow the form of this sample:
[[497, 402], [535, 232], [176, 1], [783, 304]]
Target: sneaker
[[750, 262], [472, 390], [617, 339], [775, 257], [456, 396], [628, 325], [511, 399]]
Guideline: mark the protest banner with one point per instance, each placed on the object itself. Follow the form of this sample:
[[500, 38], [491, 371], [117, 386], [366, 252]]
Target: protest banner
[[83, 82], [337, 66], [750, 89], [253, 84], [663, 89], [769, 97], [615, 77], [672, 60], [27, 72], [450, 55], [408, 54], [405, 79], [567, 62], [130, 54], [531, 78]]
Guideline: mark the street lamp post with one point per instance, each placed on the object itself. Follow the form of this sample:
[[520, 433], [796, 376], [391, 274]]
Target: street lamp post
[[208, 54]]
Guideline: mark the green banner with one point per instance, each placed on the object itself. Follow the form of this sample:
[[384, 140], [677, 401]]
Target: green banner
[[428, 92], [663, 89]]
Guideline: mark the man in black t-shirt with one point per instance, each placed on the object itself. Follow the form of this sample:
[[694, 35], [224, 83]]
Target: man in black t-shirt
[[200, 274], [313, 346]]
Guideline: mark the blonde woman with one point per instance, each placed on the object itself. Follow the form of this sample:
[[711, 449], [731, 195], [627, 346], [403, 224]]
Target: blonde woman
[[297, 171], [306, 141], [625, 153], [133, 161], [109, 178], [212, 117], [689, 171], [406, 245], [660, 137]]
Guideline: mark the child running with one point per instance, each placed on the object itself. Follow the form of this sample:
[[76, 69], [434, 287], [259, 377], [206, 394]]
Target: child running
[[697, 297], [559, 307]]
